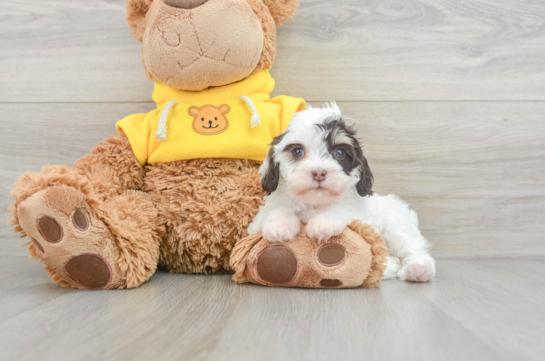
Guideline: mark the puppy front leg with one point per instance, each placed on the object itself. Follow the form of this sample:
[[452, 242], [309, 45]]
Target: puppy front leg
[[325, 225], [280, 224]]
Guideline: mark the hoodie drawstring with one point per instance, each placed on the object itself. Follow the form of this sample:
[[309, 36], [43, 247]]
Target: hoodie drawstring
[[255, 120], [162, 130]]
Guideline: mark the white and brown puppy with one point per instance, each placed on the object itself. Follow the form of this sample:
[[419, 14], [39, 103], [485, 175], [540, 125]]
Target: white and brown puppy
[[316, 173]]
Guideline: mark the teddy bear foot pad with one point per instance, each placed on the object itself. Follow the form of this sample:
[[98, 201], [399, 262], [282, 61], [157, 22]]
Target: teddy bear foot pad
[[278, 265]]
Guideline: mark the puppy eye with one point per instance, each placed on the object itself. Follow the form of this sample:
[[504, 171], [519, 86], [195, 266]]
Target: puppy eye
[[339, 154], [298, 152]]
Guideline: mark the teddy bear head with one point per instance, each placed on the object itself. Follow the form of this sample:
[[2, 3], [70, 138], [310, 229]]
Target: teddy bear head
[[197, 44]]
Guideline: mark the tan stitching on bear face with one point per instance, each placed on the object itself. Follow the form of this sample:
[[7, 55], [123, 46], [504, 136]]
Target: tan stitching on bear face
[[209, 120]]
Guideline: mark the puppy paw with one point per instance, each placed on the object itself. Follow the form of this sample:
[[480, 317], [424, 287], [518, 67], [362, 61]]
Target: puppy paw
[[323, 229], [281, 228], [392, 267], [420, 268]]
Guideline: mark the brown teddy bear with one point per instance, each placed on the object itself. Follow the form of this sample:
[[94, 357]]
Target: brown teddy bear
[[178, 186]]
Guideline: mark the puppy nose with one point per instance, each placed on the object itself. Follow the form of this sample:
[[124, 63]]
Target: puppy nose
[[185, 4], [319, 174]]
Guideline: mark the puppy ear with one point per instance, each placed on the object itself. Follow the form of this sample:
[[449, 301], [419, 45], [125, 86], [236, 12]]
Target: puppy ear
[[270, 171], [282, 10], [365, 184], [136, 17]]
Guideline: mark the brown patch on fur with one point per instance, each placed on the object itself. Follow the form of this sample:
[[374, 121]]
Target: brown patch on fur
[[50, 229], [330, 283], [89, 270], [331, 255], [185, 4], [206, 206], [379, 249], [80, 220], [276, 264]]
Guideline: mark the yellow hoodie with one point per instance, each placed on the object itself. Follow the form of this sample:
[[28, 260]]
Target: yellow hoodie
[[233, 121]]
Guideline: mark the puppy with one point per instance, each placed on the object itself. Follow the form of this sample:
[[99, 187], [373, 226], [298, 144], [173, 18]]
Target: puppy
[[315, 173]]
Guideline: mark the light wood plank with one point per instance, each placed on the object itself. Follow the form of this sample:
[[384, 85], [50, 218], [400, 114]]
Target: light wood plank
[[487, 296], [82, 51], [24, 286], [474, 310], [474, 172]]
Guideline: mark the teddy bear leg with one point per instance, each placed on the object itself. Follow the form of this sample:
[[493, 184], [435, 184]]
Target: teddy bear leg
[[207, 205], [86, 224], [90, 245]]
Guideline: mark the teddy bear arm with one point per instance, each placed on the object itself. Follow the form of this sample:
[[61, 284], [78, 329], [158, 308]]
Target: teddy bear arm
[[354, 259]]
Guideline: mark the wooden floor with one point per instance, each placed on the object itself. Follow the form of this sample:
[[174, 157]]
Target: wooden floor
[[449, 100], [474, 310]]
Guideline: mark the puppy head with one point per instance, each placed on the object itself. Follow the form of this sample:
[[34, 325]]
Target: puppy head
[[318, 158]]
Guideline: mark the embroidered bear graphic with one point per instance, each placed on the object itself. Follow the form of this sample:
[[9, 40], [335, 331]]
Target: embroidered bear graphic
[[210, 120]]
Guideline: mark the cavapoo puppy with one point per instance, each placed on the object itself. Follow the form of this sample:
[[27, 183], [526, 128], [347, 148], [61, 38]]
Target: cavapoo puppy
[[315, 173]]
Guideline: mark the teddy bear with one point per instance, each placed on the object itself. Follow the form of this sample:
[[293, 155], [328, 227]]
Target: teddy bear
[[177, 187]]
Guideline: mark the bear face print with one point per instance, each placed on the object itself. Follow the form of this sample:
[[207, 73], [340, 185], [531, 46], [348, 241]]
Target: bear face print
[[209, 120]]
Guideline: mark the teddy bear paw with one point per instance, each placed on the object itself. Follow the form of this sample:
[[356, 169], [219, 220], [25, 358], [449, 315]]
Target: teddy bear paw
[[75, 245]]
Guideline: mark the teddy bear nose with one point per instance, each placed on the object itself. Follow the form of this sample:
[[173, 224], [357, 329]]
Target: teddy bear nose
[[319, 174], [185, 4]]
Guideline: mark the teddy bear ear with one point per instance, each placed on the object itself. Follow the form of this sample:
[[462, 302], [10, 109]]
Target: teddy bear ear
[[282, 10], [194, 111], [136, 16], [224, 109]]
